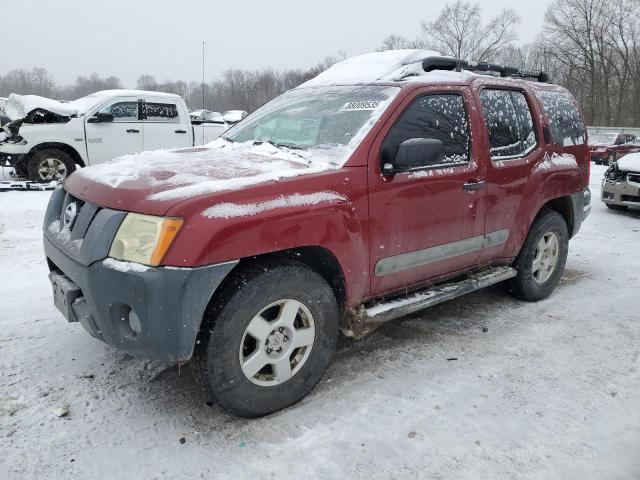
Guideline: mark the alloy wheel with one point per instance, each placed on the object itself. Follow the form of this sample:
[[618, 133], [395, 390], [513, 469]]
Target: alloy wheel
[[52, 169], [277, 343], [545, 257]]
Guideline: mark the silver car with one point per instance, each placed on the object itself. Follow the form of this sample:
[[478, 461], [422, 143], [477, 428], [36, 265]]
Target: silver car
[[621, 184]]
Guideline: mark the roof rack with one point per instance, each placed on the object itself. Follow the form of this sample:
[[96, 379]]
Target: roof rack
[[455, 64]]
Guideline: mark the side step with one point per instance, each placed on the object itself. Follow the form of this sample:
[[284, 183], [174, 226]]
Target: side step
[[416, 301]]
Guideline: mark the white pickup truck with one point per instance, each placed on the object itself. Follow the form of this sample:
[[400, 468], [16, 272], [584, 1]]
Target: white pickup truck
[[46, 139]]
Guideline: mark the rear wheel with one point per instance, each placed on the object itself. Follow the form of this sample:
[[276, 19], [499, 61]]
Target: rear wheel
[[50, 165], [270, 342], [542, 259]]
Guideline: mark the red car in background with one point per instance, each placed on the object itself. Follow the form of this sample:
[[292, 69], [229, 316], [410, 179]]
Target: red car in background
[[607, 147]]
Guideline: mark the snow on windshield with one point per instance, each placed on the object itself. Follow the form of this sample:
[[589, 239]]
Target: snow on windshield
[[330, 121]]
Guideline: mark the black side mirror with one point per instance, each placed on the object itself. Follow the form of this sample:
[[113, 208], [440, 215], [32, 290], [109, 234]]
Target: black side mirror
[[101, 118], [416, 153]]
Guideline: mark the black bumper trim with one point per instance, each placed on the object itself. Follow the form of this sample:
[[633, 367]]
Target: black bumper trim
[[170, 303]]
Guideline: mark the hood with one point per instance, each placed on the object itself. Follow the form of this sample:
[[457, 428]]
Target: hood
[[629, 163], [153, 182], [23, 106]]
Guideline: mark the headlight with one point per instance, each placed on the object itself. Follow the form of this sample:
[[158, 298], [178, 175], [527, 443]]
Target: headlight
[[144, 238]]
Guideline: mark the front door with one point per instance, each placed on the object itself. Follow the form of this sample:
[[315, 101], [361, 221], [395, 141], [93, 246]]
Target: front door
[[109, 140], [427, 222]]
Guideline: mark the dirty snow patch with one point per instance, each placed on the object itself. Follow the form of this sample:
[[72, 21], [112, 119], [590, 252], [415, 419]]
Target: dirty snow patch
[[121, 266], [229, 210]]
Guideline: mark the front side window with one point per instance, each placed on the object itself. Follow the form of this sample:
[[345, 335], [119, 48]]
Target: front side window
[[122, 111], [161, 112], [565, 122], [440, 117], [329, 120], [509, 123]]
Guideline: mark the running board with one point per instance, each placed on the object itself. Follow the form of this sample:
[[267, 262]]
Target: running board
[[414, 302]]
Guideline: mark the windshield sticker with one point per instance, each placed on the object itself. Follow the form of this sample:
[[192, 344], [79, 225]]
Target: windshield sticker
[[367, 105]]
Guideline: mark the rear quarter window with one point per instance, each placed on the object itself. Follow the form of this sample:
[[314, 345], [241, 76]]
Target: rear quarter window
[[565, 122]]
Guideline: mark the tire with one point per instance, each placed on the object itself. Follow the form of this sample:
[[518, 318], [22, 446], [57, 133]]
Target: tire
[[531, 283], [611, 159], [50, 165], [227, 343], [616, 207]]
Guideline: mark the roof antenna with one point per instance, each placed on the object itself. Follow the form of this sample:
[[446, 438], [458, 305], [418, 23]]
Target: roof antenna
[[203, 139]]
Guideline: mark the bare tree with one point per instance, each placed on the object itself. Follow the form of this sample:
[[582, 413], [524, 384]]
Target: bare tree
[[459, 31], [394, 42]]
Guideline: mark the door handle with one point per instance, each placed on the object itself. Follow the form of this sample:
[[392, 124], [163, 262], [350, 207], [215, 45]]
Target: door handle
[[474, 185], [181, 131], [133, 130]]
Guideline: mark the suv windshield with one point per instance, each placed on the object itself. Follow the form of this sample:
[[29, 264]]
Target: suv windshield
[[319, 118]]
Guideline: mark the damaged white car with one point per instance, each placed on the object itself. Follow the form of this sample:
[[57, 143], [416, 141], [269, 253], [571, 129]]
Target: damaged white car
[[621, 184], [46, 139]]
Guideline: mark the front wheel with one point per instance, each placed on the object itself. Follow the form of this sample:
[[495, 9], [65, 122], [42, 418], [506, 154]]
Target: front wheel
[[50, 165], [611, 159], [542, 259], [270, 342]]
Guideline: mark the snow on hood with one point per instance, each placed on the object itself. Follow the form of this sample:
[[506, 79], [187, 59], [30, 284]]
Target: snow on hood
[[19, 106], [630, 163], [388, 66], [218, 166]]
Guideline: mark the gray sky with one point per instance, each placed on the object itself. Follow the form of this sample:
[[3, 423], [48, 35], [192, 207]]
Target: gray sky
[[127, 38]]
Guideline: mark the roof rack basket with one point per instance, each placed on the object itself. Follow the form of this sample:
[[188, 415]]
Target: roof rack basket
[[455, 64]]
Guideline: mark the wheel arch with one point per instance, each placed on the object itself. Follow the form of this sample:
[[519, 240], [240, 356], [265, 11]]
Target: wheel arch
[[58, 146], [565, 207]]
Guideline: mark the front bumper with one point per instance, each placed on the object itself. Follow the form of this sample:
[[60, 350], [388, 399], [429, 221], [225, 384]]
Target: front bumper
[[623, 193], [168, 303]]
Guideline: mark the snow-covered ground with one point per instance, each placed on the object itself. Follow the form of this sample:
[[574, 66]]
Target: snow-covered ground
[[549, 391]]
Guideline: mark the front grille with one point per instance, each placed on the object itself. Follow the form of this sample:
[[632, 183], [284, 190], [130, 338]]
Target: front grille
[[634, 177], [630, 198], [71, 223]]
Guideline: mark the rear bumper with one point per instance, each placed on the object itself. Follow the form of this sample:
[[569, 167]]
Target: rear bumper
[[581, 209]]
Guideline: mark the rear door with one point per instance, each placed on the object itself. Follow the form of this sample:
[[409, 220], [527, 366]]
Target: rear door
[[164, 125], [514, 149], [109, 140], [427, 222]]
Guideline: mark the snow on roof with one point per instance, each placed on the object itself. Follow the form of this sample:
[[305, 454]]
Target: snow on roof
[[19, 106], [388, 66], [121, 92], [630, 163]]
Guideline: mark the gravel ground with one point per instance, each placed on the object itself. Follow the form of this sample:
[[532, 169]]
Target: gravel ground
[[484, 386]]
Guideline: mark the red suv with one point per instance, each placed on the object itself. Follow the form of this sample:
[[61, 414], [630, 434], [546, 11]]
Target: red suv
[[391, 182], [606, 148]]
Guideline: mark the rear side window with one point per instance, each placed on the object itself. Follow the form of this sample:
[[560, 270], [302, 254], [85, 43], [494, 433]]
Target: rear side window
[[440, 117], [565, 123], [161, 112], [509, 123]]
